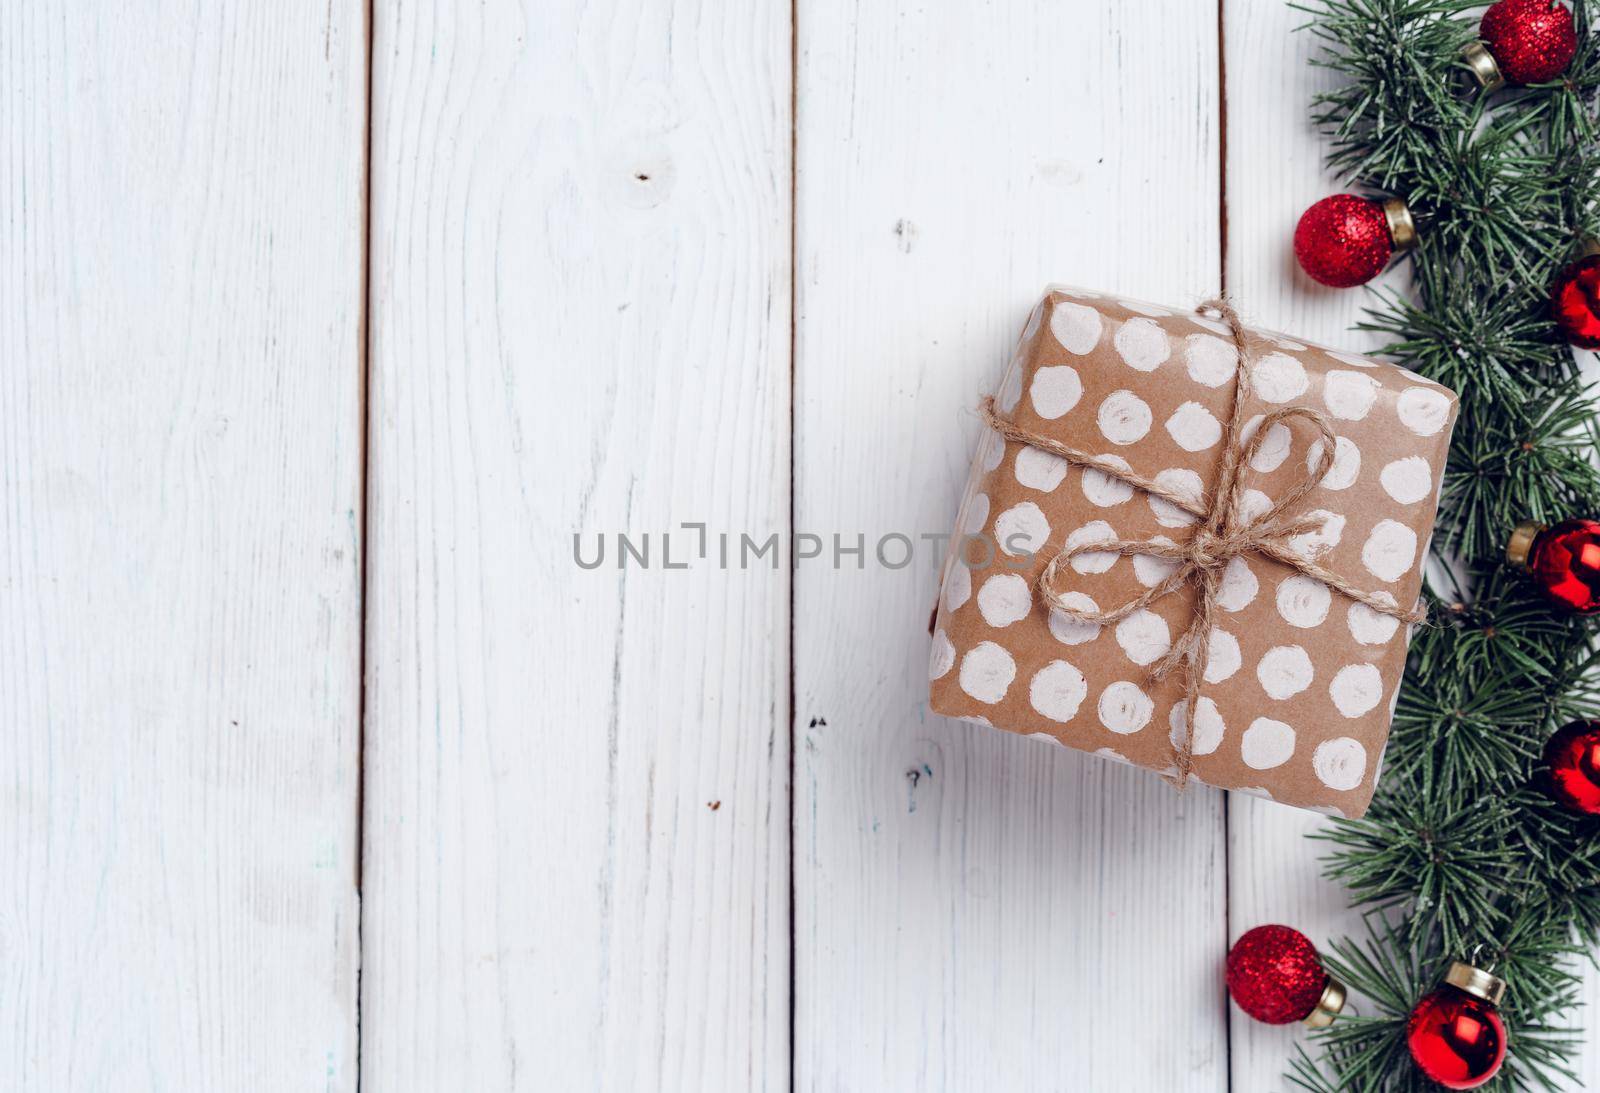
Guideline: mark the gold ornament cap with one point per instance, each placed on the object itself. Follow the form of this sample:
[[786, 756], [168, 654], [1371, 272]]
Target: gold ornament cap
[[1485, 69], [1402, 228], [1476, 982], [1328, 1006], [1589, 247], [1520, 544]]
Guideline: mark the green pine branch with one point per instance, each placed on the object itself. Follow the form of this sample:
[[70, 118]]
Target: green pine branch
[[1462, 853]]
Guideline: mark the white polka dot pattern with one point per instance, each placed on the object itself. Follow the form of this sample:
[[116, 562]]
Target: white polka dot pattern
[[942, 656], [1304, 601], [1390, 550], [1346, 463], [1210, 361], [1349, 395], [1144, 637], [1208, 726], [1040, 470], [1356, 689], [1183, 482], [1224, 657], [1055, 391], [1318, 541], [1193, 429], [1151, 570], [987, 671], [1125, 708], [1407, 480], [1070, 631], [1103, 490], [1142, 344], [1021, 529], [1285, 671], [1095, 561], [1279, 378], [1274, 447], [1004, 599], [1298, 683], [1124, 417], [1340, 763], [1267, 743], [1253, 504], [1423, 410], [1239, 586], [1075, 326], [957, 586], [1371, 627], [1057, 690]]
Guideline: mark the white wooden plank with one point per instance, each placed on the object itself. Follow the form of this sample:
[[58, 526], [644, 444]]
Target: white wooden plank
[[975, 910], [1275, 170], [180, 469], [577, 827]]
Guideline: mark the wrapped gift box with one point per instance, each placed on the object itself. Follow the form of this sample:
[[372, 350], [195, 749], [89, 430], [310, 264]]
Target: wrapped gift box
[[1301, 680]]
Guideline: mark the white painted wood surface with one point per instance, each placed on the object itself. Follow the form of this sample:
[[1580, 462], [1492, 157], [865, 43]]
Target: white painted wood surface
[[580, 864], [577, 810], [975, 910], [180, 481]]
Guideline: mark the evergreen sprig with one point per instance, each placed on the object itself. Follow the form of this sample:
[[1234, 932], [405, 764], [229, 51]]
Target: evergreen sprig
[[1462, 855]]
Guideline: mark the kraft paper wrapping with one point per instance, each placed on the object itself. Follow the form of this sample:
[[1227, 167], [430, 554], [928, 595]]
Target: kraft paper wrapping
[[1301, 683]]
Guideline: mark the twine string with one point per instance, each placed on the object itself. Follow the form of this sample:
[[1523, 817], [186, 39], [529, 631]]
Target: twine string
[[1225, 531]]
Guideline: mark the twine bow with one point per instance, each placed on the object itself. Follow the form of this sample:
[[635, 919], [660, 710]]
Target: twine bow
[[1226, 531]]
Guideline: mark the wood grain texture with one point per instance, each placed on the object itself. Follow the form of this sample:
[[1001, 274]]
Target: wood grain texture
[[180, 471], [577, 828], [1275, 170], [976, 910]]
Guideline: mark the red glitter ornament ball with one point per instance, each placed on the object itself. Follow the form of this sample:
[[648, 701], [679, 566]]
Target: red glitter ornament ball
[[1575, 302], [1456, 1038], [1564, 561], [1275, 975], [1343, 241], [1573, 756], [1531, 40]]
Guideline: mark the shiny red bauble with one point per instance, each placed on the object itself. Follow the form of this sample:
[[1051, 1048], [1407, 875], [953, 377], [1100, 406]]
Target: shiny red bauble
[[1573, 756], [1456, 1038], [1276, 976], [1575, 302], [1564, 561], [1343, 241], [1531, 40]]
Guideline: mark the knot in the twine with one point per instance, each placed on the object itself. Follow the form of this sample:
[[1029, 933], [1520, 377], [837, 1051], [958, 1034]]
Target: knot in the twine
[[1210, 551], [1225, 531]]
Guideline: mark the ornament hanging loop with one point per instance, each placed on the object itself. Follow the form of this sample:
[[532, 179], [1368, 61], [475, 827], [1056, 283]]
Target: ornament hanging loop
[[1476, 982], [1484, 68]]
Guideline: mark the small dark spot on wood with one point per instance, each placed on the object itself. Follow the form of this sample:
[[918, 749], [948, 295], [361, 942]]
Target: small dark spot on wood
[[906, 231], [642, 177], [235, 724], [713, 805], [816, 721]]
